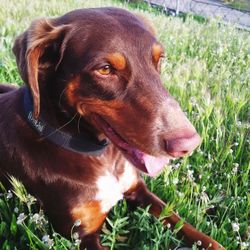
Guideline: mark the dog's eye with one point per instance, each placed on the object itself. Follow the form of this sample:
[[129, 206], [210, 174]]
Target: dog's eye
[[105, 70]]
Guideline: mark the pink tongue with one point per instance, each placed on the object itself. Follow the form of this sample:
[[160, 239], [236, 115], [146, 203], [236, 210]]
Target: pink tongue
[[155, 164]]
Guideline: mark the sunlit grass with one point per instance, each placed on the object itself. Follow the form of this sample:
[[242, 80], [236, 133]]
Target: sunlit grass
[[207, 69]]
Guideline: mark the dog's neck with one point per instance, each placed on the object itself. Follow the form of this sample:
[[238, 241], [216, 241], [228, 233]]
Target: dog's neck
[[79, 142]]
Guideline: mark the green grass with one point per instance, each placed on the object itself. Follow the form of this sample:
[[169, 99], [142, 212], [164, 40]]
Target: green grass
[[207, 69], [239, 4]]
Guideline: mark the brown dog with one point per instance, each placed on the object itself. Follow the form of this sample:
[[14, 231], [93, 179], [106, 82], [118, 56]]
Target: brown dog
[[93, 114]]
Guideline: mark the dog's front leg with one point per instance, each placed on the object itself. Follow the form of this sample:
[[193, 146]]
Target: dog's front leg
[[90, 219], [92, 242], [141, 196]]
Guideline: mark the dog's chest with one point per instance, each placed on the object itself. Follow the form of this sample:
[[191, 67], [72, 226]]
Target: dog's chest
[[110, 188]]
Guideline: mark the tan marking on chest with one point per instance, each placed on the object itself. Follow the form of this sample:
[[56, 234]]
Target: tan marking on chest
[[111, 188], [90, 215]]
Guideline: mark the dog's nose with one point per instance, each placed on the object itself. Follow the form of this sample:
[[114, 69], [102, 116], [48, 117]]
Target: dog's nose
[[181, 146]]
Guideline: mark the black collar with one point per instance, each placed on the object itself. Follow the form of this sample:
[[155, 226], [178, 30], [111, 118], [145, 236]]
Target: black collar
[[82, 143]]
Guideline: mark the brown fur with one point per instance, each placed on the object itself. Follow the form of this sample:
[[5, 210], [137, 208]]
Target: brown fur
[[58, 60], [90, 213]]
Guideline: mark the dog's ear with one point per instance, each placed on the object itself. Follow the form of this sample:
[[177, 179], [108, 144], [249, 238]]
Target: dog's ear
[[39, 51]]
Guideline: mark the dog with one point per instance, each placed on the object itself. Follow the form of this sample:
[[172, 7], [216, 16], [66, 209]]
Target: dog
[[92, 116]]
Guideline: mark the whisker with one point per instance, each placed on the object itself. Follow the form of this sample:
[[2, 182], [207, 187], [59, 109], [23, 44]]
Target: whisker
[[58, 129], [78, 123], [61, 95]]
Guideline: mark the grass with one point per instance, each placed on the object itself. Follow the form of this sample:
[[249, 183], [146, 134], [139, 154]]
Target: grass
[[239, 4], [207, 69]]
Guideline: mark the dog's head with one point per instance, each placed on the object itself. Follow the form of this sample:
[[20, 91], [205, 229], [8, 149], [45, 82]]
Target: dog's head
[[105, 63]]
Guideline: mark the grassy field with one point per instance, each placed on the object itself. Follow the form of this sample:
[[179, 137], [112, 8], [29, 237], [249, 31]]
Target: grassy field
[[239, 4], [207, 69]]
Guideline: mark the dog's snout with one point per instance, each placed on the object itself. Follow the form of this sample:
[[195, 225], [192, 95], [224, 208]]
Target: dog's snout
[[181, 146], [180, 137]]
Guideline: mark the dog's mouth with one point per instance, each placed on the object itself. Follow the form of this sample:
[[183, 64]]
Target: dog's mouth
[[149, 164]]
